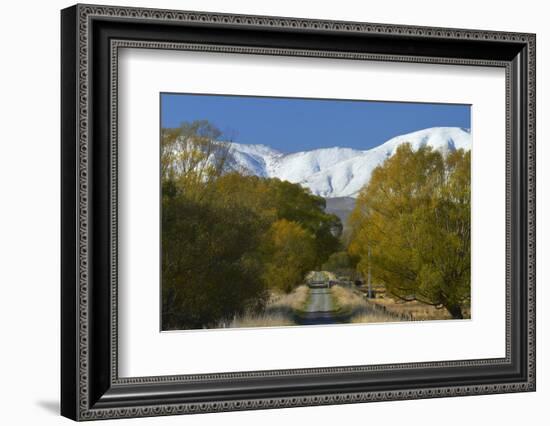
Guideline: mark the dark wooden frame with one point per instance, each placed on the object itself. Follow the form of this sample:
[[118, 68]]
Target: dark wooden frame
[[91, 37]]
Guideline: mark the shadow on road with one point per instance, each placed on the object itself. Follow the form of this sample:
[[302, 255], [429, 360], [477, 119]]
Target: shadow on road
[[321, 318], [321, 310]]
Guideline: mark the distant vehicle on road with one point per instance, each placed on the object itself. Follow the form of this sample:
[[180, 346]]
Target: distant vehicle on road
[[318, 284]]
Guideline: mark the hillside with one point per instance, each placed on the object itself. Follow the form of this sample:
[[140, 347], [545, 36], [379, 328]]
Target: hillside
[[341, 207], [339, 172]]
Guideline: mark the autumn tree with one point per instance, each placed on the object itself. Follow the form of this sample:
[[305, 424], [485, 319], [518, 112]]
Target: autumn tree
[[414, 218], [229, 238], [192, 156], [274, 199], [211, 268], [341, 263], [295, 203], [289, 252]]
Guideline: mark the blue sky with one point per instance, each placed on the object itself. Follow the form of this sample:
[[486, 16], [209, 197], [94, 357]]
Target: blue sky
[[294, 124]]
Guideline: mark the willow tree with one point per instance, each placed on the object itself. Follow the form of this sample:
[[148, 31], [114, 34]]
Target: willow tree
[[210, 263], [192, 156], [289, 252], [414, 218], [229, 239]]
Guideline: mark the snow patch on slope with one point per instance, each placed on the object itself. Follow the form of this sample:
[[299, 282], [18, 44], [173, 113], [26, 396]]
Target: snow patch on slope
[[339, 172]]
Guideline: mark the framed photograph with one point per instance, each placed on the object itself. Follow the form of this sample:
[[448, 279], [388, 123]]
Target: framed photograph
[[263, 212]]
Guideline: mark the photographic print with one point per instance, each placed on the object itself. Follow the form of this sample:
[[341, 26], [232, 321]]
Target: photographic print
[[299, 188], [295, 212]]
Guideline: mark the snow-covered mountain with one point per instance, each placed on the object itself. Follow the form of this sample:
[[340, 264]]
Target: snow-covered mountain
[[339, 172]]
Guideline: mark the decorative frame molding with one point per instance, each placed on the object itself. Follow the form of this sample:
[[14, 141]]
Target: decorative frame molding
[[91, 37]]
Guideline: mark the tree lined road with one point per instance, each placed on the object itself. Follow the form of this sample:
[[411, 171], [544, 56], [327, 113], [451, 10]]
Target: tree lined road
[[320, 300], [320, 308]]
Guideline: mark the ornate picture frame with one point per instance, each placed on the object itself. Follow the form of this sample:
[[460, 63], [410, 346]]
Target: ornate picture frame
[[91, 39]]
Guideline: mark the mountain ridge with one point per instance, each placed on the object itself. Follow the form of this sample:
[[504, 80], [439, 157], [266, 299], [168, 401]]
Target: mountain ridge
[[338, 171]]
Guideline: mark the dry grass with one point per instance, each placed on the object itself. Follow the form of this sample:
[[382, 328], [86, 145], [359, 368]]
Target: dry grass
[[417, 311], [295, 300], [262, 320], [360, 310], [279, 311], [372, 317], [346, 299]]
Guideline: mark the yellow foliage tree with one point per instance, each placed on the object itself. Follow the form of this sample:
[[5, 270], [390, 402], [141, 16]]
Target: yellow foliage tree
[[192, 157], [290, 252], [414, 217], [227, 237]]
